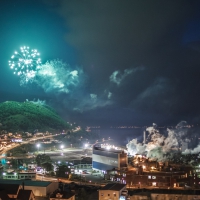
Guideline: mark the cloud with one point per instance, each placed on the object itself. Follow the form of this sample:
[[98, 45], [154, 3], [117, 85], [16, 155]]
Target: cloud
[[117, 77], [110, 37]]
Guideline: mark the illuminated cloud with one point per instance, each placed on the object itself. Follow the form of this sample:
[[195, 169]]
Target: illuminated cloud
[[117, 77], [93, 96]]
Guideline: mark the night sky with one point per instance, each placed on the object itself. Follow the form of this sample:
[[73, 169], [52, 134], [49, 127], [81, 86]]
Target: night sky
[[138, 62]]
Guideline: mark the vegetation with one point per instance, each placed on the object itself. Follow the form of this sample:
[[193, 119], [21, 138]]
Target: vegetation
[[63, 171], [29, 116], [44, 161], [42, 158]]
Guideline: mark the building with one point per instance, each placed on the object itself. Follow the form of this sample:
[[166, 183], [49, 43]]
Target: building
[[15, 191], [39, 188], [4, 195], [19, 176], [107, 159], [11, 189], [113, 191], [62, 196], [166, 194], [25, 194]]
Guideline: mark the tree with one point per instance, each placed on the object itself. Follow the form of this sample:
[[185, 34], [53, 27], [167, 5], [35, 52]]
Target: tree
[[42, 158], [47, 166], [63, 171]]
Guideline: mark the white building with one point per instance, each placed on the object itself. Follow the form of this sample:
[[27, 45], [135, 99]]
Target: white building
[[113, 191]]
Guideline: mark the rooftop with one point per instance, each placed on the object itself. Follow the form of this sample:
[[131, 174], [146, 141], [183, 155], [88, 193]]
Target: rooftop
[[64, 195], [26, 182], [24, 194], [3, 195], [114, 186], [10, 188]]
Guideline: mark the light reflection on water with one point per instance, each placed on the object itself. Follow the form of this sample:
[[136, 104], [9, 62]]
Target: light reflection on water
[[120, 136]]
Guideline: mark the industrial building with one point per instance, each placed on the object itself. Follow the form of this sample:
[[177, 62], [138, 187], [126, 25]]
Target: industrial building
[[107, 159]]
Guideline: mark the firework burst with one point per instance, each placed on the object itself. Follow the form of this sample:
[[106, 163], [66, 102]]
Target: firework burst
[[25, 63]]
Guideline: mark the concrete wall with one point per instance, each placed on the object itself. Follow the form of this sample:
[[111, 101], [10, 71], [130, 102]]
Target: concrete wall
[[52, 187]]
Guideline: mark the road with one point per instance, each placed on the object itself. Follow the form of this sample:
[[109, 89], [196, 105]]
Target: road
[[63, 180], [14, 145]]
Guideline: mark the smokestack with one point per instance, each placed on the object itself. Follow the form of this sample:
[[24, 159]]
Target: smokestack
[[144, 137]]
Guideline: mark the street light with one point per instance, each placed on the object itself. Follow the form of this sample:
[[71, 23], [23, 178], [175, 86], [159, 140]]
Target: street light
[[62, 146], [38, 146]]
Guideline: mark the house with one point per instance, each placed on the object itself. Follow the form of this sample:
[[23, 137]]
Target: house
[[4, 195], [113, 191], [11, 190], [63, 196], [39, 188], [25, 195]]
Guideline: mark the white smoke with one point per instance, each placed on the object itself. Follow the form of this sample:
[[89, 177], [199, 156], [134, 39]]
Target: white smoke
[[56, 76], [159, 146]]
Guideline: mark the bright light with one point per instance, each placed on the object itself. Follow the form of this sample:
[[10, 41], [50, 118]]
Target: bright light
[[86, 145], [38, 145], [62, 146], [108, 147]]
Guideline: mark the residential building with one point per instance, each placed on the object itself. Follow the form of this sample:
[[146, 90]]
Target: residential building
[[39, 188], [62, 196], [114, 191]]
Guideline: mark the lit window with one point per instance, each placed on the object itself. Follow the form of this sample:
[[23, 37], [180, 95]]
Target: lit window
[[149, 177], [153, 177]]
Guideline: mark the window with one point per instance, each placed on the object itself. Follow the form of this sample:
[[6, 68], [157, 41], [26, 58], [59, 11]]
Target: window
[[153, 177], [149, 177], [108, 194], [114, 195]]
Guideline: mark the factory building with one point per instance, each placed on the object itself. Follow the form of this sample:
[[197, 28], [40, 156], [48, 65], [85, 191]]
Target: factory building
[[107, 159]]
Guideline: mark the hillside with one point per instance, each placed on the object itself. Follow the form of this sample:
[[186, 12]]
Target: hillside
[[29, 116]]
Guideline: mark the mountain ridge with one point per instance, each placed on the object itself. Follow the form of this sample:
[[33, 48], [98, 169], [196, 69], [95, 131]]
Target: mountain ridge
[[30, 116]]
